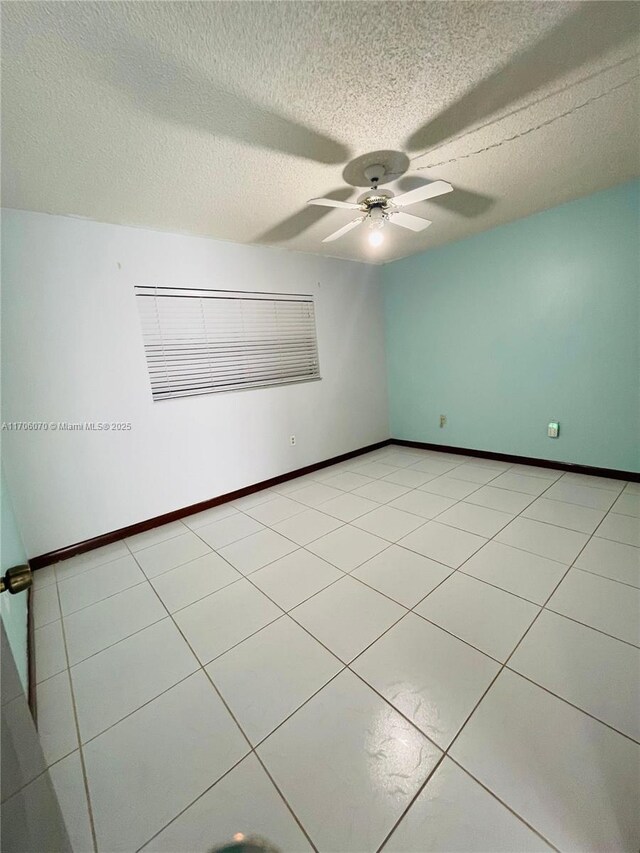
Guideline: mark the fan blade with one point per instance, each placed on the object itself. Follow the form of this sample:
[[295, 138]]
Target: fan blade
[[408, 220], [333, 202], [345, 228], [422, 193]]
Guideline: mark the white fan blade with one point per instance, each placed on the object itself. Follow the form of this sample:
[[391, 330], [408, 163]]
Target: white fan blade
[[331, 202], [343, 230], [408, 220], [422, 193]]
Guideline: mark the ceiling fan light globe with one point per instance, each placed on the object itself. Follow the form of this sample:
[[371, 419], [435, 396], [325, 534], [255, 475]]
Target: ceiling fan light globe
[[376, 237]]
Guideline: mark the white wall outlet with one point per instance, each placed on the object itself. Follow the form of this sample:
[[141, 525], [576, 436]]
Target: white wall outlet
[[292, 440], [553, 430], [443, 421]]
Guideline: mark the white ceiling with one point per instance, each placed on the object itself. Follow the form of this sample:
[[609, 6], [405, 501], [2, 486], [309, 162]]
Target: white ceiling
[[222, 119]]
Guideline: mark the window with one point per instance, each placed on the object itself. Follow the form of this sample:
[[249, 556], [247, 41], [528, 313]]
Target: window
[[204, 341]]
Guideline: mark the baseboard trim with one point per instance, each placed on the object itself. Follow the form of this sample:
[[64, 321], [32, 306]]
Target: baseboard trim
[[114, 535], [522, 460], [31, 657]]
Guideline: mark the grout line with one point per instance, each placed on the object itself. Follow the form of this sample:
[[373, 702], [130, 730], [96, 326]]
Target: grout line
[[605, 577]]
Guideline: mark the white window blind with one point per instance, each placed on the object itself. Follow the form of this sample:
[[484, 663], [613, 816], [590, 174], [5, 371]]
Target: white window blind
[[204, 341]]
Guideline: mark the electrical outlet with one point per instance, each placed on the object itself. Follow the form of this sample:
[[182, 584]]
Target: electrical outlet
[[443, 421], [292, 440]]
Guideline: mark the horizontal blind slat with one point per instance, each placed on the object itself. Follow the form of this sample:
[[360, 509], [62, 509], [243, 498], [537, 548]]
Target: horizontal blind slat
[[199, 342]]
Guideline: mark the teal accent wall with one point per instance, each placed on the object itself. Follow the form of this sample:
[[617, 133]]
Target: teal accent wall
[[13, 608], [532, 322]]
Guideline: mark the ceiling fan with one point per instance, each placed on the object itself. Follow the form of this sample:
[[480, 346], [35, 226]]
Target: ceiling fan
[[377, 207]]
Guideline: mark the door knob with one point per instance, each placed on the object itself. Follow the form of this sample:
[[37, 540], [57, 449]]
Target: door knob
[[16, 579]]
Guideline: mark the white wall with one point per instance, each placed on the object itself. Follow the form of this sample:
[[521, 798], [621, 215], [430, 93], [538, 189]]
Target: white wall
[[72, 351]]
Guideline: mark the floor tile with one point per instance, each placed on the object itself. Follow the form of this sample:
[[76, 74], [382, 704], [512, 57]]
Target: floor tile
[[455, 813], [21, 833], [449, 487], [488, 618], [99, 583], [475, 519], [346, 481], [97, 557], [255, 551], [380, 491], [573, 779], [347, 547], [228, 530], [388, 523], [155, 535], [516, 571], [51, 656], [422, 503], [275, 510], [307, 526], [287, 666], [294, 578], [611, 560], [595, 482], [348, 506], [56, 720], [429, 676], [244, 800], [174, 552], [216, 623], [474, 473], [500, 499], [45, 576], [208, 516], [254, 499], [172, 749], [435, 466], [410, 478], [621, 528], [632, 489], [90, 630], [601, 603], [120, 679], [442, 543], [546, 540], [536, 471], [189, 583], [564, 490], [595, 672], [296, 484], [368, 763], [627, 504], [402, 575], [347, 616], [315, 494], [374, 469], [46, 607], [562, 514], [520, 483], [68, 782]]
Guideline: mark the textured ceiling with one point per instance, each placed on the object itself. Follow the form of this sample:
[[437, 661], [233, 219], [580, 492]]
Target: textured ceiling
[[222, 119]]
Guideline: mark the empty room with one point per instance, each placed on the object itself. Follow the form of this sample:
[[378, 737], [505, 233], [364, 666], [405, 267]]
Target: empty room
[[320, 428]]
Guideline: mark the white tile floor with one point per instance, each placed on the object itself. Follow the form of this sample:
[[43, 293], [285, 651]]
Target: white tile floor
[[410, 651]]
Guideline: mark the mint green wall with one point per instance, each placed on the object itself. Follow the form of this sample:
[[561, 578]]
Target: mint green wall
[[13, 608], [534, 321]]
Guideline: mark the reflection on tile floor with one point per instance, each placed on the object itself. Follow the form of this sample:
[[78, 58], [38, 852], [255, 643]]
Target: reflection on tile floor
[[410, 651]]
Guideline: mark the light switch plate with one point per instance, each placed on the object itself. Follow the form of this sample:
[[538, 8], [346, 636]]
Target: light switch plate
[[553, 430]]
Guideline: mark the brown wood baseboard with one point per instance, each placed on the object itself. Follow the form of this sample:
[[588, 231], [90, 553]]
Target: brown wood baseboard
[[114, 535], [31, 657], [141, 526], [522, 460]]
